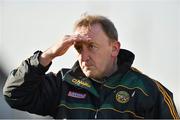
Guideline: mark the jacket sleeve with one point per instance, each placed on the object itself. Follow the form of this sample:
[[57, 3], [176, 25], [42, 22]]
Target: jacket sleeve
[[28, 88], [166, 106]]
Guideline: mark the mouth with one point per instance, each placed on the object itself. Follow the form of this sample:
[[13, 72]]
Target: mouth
[[88, 67], [87, 64]]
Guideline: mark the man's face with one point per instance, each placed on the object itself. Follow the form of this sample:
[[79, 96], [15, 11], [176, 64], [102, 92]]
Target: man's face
[[96, 55]]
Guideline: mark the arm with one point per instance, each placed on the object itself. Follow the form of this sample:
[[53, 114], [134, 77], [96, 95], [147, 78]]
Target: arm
[[166, 106], [28, 88]]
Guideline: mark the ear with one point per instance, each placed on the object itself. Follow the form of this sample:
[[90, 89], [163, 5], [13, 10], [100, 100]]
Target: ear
[[115, 48]]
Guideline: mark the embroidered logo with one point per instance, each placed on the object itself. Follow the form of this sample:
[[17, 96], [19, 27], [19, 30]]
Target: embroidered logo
[[76, 95], [122, 96], [81, 83]]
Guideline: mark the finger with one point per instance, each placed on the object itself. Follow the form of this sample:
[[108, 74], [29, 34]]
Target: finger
[[83, 38], [77, 38]]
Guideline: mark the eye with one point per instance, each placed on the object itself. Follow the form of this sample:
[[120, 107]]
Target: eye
[[92, 46]]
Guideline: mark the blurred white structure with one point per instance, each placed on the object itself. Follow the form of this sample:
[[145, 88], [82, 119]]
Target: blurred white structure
[[149, 28]]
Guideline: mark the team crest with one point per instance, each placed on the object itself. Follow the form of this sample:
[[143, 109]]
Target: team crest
[[122, 96]]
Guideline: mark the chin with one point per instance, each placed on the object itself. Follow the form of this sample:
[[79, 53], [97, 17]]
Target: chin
[[88, 73], [91, 75]]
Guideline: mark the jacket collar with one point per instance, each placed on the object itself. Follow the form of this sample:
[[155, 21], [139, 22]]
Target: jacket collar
[[125, 57]]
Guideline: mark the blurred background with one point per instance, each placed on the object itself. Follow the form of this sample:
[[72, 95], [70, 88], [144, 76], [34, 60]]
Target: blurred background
[[149, 28]]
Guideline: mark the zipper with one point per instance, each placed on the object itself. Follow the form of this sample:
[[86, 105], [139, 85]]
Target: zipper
[[101, 87], [102, 83], [95, 116]]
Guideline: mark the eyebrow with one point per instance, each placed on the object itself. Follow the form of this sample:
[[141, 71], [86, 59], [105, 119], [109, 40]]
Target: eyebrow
[[85, 42]]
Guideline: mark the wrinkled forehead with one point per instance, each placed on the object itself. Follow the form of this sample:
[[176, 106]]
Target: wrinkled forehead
[[91, 31]]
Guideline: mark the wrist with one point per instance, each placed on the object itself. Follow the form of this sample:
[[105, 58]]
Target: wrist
[[45, 58]]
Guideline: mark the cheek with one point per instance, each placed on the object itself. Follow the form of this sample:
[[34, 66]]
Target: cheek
[[102, 60]]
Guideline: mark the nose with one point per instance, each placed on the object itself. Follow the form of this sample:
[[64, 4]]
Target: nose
[[85, 54]]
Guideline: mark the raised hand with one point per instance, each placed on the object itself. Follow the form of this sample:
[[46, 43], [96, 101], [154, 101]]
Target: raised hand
[[61, 47]]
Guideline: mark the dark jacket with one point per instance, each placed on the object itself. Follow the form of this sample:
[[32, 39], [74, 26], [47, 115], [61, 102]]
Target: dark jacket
[[70, 94]]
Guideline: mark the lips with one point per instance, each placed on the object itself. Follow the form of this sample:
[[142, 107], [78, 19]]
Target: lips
[[87, 66]]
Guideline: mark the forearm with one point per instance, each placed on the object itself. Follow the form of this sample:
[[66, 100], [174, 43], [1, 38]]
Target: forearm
[[46, 58], [60, 48]]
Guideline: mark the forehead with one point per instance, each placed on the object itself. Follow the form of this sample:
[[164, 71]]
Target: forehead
[[92, 31], [95, 32]]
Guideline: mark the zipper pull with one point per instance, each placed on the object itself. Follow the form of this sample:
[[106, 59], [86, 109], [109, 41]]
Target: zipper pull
[[95, 116], [103, 82]]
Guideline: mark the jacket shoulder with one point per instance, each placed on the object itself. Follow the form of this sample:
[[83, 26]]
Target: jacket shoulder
[[151, 85], [142, 81]]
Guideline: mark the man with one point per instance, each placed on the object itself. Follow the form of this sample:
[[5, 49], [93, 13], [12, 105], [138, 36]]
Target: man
[[101, 84]]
